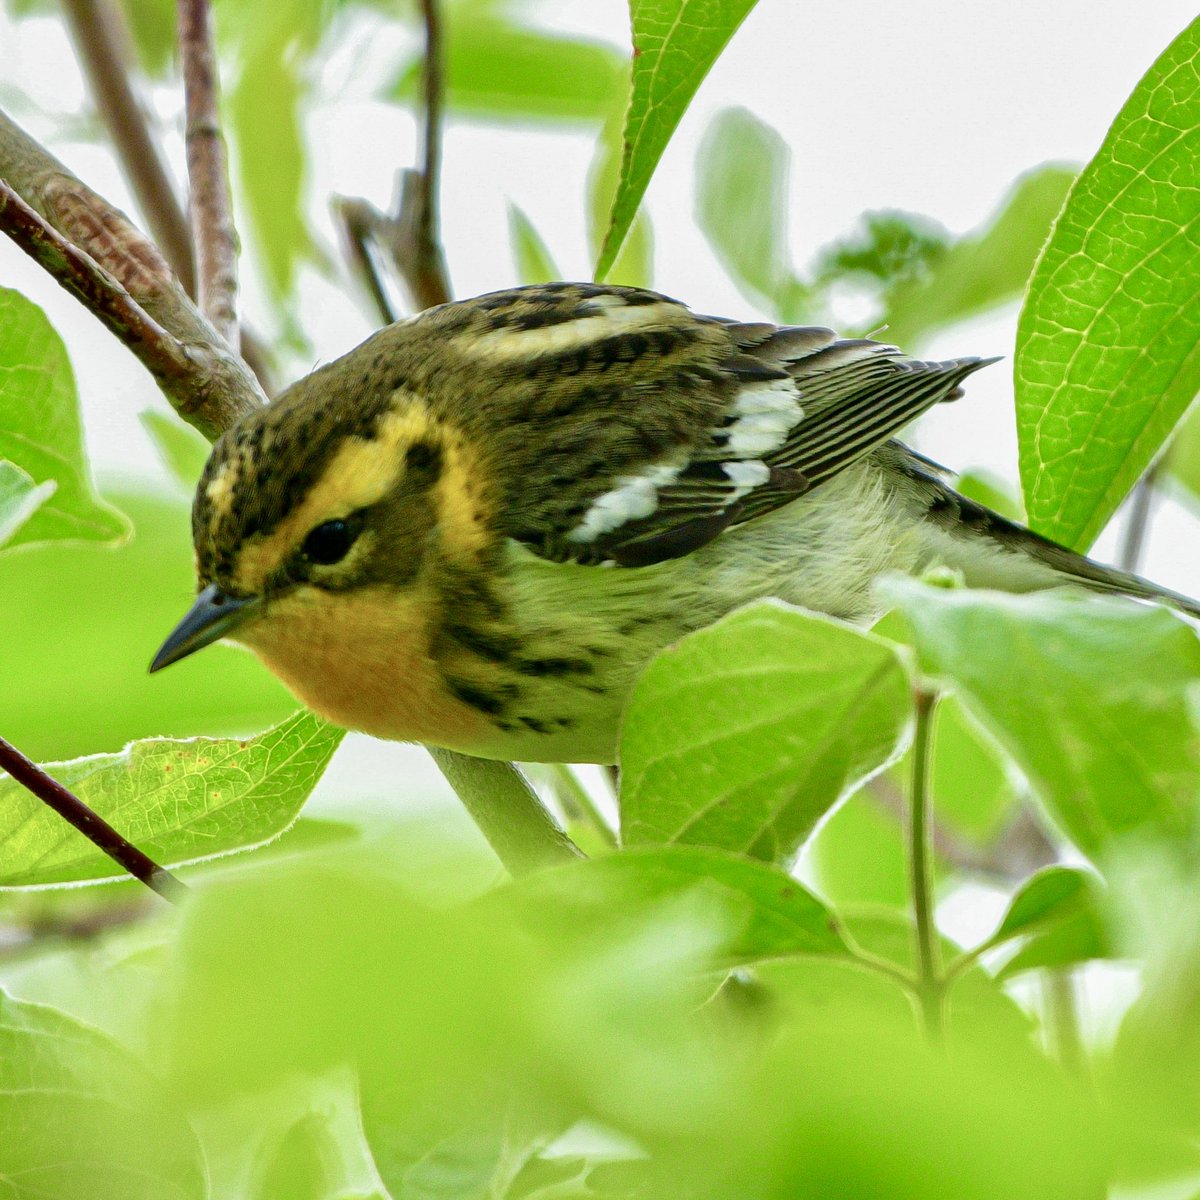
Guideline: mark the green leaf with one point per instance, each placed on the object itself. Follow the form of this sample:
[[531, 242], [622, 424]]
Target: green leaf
[[1107, 358], [769, 913], [1090, 697], [20, 498], [675, 43], [498, 69], [82, 1120], [180, 801], [534, 262], [742, 207], [40, 430], [745, 734], [983, 269], [264, 110], [183, 451], [1045, 898]]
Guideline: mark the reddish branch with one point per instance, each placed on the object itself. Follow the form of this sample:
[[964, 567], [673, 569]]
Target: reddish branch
[[214, 237], [97, 830]]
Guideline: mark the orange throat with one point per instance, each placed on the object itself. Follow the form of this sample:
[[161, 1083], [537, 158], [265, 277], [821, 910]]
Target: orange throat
[[363, 660]]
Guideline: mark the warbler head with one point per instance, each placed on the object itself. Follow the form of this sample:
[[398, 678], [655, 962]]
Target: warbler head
[[335, 496]]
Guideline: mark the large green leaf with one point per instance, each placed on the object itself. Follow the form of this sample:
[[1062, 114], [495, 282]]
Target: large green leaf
[[768, 912], [180, 801], [20, 498], [745, 734], [675, 43], [497, 68], [40, 431], [81, 1119], [1090, 696], [1108, 345], [982, 269], [742, 207]]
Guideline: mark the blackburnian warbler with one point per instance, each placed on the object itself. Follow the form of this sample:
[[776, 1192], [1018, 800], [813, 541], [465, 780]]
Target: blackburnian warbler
[[476, 528]]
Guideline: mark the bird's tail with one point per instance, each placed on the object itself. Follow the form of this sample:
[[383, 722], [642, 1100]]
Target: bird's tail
[[970, 521]]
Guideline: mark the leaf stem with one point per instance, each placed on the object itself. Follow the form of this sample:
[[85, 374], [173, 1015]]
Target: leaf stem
[[214, 238], [507, 810], [97, 830], [573, 792], [930, 982], [1133, 535]]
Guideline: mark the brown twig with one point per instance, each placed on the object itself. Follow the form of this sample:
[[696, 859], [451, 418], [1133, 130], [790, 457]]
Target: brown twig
[[97, 830], [101, 40], [100, 292], [214, 238], [218, 388], [411, 238]]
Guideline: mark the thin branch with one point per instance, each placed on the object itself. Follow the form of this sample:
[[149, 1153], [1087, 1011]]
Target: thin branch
[[359, 219], [218, 388], [101, 39], [411, 238], [1137, 523], [507, 811], [930, 984], [97, 830], [214, 238]]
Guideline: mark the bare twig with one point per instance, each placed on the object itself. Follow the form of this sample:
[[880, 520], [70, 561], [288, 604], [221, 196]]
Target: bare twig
[[101, 40], [359, 220], [214, 238], [411, 238], [1133, 535], [98, 831], [218, 388]]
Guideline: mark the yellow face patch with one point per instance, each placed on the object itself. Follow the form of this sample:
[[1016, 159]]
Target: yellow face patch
[[360, 473]]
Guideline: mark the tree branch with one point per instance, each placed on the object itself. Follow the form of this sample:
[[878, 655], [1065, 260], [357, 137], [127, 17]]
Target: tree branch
[[214, 238], [218, 388], [97, 830]]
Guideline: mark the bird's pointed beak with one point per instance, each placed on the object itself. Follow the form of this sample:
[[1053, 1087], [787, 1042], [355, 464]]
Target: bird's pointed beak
[[212, 616]]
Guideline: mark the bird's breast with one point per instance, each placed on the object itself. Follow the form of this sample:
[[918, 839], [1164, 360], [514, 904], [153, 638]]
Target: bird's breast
[[362, 659]]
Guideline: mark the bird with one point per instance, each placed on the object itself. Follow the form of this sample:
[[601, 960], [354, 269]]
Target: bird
[[478, 527]]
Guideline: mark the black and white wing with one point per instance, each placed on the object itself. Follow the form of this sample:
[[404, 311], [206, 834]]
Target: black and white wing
[[805, 405]]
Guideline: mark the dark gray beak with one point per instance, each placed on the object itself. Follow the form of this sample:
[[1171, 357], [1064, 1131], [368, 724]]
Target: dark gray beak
[[212, 616]]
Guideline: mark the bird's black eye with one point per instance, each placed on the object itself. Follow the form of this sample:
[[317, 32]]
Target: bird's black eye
[[329, 542]]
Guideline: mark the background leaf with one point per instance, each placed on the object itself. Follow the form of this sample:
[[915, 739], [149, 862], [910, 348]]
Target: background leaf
[[675, 43], [1107, 359], [20, 498], [81, 1119], [40, 431], [745, 734], [983, 269], [1090, 696], [178, 801], [742, 209], [500, 67], [534, 262]]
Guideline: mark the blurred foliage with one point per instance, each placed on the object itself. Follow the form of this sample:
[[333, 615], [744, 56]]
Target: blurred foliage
[[40, 435], [367, 1008], [1106, 363]]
